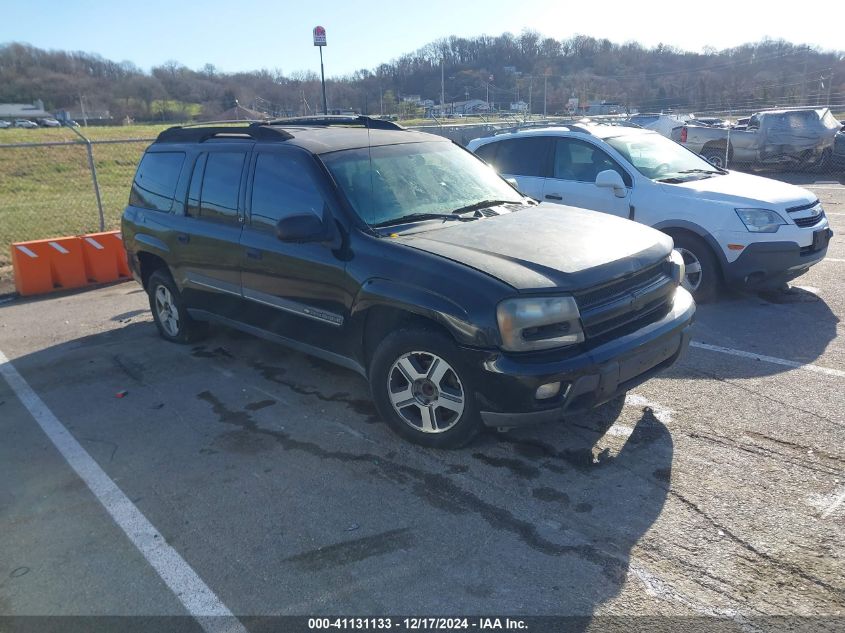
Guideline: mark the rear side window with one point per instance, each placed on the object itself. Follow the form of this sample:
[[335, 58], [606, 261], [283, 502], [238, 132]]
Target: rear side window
[[522, 156], [155, 181], [283, 186], [487, 152], [221, 186]]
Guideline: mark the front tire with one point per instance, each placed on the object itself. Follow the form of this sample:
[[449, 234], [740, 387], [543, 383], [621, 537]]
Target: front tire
[[702, 278], [169, 313], [422, 389]]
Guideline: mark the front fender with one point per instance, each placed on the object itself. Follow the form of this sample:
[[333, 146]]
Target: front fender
[[692, 227], [425, 303]]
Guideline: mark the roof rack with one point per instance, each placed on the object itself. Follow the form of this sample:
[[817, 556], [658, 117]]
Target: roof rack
[[199, 133], [540, 125], [332, 119], [223, 121]]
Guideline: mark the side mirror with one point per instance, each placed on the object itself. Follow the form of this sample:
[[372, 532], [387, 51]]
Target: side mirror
[[513, 183], [610, 179], [305, 227]]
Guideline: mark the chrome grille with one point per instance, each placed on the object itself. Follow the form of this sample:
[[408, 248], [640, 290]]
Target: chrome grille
[[809, 221]]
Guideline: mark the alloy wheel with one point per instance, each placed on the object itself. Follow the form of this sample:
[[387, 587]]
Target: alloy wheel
[[426, 392], [692, 278], [168, 313]]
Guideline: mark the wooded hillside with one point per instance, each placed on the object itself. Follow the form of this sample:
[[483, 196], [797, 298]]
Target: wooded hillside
[[763, 74]]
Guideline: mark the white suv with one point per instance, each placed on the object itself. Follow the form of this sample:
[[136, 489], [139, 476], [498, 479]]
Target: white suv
[[730, 227]]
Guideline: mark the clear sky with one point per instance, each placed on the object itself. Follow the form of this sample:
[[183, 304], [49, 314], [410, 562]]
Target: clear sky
[[277, 34]]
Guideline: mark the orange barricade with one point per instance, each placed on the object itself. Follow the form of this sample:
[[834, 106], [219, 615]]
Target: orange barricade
[[45, 265], [105, 259], [68, 262]]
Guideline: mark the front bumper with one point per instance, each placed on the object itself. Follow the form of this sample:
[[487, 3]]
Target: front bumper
[[507, 383], [765, 265]]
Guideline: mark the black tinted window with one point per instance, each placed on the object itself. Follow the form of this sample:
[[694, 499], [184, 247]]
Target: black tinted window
[[283, 186], [221, 185], [155, 181], [522, 156], [487, 152], [582, 162]]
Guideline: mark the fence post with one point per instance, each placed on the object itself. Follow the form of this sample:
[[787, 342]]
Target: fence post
[[93, 169], [728, 143]]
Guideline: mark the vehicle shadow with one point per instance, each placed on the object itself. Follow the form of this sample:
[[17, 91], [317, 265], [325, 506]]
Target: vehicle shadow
[[797, 325], [606, 477], [825, 176]]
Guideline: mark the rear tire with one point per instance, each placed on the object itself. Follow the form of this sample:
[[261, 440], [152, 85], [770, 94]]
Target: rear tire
[[422, 389], [169, 313], [702, 277], [715, 157]]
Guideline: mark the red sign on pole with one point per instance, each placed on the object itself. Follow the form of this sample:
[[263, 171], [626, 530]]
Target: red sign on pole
[[319, 36]]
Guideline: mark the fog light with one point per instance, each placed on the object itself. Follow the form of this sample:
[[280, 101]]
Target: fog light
[[549, 390]]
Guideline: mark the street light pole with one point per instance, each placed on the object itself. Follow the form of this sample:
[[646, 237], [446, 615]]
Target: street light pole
[[320, 41], [323, 80]]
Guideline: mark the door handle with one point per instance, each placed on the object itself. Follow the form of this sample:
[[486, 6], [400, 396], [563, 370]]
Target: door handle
[[253, 253], [553, 196], [183, 238]]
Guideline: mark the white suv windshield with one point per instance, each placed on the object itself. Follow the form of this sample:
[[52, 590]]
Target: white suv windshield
[[658, 158], [389, 182]]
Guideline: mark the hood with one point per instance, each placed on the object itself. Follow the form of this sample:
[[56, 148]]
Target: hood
[[743, 190], [547, 246]]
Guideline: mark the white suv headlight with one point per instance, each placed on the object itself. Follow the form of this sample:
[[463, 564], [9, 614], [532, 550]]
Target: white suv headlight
[[760, 220], [535, 323]]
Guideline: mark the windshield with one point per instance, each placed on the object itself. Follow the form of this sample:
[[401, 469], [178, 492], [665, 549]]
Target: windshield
[[414, 178], [658, 158]]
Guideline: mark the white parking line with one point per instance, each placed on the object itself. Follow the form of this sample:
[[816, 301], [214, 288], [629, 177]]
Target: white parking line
[[200, 601], [836, 503], [662, 413], [769, 359], [833, 259]]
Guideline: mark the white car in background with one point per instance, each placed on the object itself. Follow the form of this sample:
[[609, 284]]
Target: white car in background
[[25, 123], [730, 227]]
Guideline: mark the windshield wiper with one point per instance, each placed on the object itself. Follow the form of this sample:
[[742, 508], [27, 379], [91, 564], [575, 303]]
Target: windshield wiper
[[715, 170], [483, 205], [415, 217], [706, 173]]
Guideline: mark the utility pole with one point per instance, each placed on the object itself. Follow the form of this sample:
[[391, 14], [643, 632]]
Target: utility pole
[[829, 86], [442, 86], [545, 86], [82, 107], [530, 90], [804, 82]]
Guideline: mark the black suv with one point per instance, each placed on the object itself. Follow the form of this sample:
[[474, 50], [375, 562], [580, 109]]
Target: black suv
[[402, 256]]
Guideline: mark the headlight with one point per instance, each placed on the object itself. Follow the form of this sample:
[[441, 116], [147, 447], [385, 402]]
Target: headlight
[[534, 323], [678, 267], [760, 220]]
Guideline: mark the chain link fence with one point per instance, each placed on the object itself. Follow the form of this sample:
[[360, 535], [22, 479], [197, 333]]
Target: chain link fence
[[58, 188]]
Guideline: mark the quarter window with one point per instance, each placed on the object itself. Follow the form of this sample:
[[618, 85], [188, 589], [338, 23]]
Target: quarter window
[[155, 181], [221, 186], [283, 186]]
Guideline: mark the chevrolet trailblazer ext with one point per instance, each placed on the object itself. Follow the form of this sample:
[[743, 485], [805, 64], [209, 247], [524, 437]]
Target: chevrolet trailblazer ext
[[405, 258]]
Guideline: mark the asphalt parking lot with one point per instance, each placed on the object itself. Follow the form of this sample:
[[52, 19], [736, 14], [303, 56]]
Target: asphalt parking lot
[[717, 489]]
